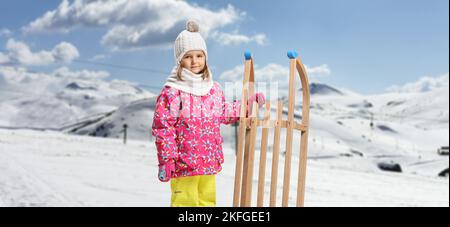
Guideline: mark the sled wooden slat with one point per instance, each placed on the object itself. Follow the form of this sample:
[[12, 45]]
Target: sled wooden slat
[[297, 126], [246, 175], [249, 159], [276, 157], [304, 135], [272, 124], [290, 132], [241, 136], [266, 123], [263, 158]]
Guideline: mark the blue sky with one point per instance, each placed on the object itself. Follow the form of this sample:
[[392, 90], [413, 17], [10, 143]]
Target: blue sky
[[366, 45]]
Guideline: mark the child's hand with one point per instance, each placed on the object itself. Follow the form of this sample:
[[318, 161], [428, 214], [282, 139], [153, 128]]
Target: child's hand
[[259, 98], [165, 172]]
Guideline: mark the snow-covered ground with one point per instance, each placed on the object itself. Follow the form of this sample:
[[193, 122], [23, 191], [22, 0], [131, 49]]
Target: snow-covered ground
[[407, 129], [56, 169], [350, 136]]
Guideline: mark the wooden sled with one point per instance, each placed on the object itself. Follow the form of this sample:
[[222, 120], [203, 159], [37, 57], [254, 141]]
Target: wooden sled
[[247, 137]]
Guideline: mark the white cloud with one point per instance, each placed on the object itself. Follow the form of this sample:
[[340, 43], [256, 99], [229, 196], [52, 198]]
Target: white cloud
[[272, 79], [272, 72], [19, 53], [138, 23], [65, 52], [22, 80], [3, 58], [5, 32], [424, 84], [99, 57], [35, 99], [65, 72], [3, 82], [321, 70], [234, 74], [236, 39]]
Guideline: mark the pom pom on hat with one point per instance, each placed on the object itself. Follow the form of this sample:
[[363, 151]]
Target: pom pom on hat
[[192, 26], [189, 39]]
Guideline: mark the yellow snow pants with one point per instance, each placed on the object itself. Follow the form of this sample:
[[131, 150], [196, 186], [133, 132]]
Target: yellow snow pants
[[196, 191]]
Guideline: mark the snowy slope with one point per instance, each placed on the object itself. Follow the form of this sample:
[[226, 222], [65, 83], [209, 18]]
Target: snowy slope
[[323, 89], [88, 171], [137, 115], [350, 134], [38, 100], [407, 129]]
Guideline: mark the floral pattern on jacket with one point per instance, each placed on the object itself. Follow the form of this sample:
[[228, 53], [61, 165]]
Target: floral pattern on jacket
[[186, 129]]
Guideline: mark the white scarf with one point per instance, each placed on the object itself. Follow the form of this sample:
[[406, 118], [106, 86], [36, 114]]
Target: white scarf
[[192, 83]]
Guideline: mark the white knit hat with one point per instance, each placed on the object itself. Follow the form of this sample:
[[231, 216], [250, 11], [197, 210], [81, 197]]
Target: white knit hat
[[189, 39]]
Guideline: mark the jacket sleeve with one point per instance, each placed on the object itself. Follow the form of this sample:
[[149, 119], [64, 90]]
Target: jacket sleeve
[[231, 111], [163, 129]]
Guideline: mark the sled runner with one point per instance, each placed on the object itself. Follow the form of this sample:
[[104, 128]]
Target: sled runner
[[247, 138]]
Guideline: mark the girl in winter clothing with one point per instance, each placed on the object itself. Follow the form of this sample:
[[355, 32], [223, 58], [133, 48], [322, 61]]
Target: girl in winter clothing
[[186, 123]]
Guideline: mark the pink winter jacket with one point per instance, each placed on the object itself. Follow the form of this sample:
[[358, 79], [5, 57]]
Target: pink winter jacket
[[186, 129]]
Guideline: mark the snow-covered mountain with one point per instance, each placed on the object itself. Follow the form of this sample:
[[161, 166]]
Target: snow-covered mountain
[[323, 89], [37, 100], [315, 89], [137, 115], [396, 128], [353, 138], [346, 129]]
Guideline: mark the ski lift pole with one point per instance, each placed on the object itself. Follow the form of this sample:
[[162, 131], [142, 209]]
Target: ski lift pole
[[125, 126]]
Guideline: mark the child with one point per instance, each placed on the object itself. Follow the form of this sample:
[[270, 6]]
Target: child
[[186, 123]]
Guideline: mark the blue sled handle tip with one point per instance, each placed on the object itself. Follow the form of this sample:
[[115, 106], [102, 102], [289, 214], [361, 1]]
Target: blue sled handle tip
[[292, 54], [248, 55]]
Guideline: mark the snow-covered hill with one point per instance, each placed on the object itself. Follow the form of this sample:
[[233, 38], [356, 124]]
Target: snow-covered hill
[[402, 128], [38, 100], [346, 128], [323, 89], [137, 115], [36, 171], [351, 135]]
